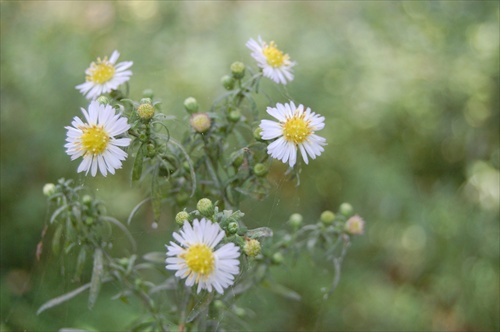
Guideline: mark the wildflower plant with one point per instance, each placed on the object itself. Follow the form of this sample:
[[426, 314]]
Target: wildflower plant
[[212, 258]]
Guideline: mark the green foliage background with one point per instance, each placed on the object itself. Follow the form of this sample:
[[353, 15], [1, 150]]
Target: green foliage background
[[410, 92]]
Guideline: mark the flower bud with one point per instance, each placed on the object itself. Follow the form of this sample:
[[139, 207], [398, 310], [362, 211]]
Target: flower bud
[[151, 150], [327, 217], [237, 158], [234, 115], [355, 225], [277, 258], [260, 169], [227, 82], [148, 93], [191, 105], [49, 189], [181, 198], [205, 207], [103, 100], [87, 199], [146, 110], [257, 134], [296, 220], [238, 70], [200, 122], [233, 227], [251, 248], [346, 209], [181, 217]]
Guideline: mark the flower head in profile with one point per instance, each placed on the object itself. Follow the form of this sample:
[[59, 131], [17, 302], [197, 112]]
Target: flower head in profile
[[294, 130], [355, 225], [95, 140], [275, 65], [104, 76], [196, 259]]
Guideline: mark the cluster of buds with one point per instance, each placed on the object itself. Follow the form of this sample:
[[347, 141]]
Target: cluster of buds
[[229, 221]]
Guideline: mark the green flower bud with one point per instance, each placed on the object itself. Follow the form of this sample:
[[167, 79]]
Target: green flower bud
[[238, 160], [191, 105], [49, 189], [181, 217], [151, 150], [238, 311], [148, 93], [296, 220], [227, 82], [219, 305], [146, 110], [206, 207], [260, 169], [103, 100], [277, 258], [232, 228], [234, 115], [346, 209], [86, 199], [200, 122], [355, 225], [181, 198], [257, 134], [238, 70], [327, 217], [252, 248]]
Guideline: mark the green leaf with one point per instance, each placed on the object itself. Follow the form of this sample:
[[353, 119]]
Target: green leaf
[[282, 291], [138, 162], [56, 240], [96, 280]]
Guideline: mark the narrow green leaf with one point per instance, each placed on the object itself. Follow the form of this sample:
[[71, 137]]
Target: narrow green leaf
[[80, 262], [57, 213], [96, 280], [156, 197], [56, 240], [282, 290], [138, 162]]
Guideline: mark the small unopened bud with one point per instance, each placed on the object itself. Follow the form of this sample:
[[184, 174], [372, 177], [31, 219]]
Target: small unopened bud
[[103, 100], [260, 169], [200, 122], [227, 82], [251, 247], [233, 227], [234, 115], [151, 150], [296, 220], [257, 134], [49, 189], [237, 161], [346, 209], [238, 70], [327, 217], [148, 93], [87, 199], [206, 207], [181, 198], [355, 225], [191, 105], [277, 258], [181, 217], [146, 110]]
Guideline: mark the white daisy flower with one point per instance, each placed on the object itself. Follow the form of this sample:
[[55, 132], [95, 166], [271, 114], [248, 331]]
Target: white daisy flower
[[104, 76], [275, 65], [295, 129], [196, 260], [95, 140]]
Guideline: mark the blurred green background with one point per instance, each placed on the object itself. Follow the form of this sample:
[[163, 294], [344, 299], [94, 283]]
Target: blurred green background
[[410, 92]]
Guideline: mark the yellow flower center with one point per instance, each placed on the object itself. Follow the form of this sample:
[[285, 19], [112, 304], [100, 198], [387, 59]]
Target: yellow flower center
[[94, 139], [101, 72], [200, 259], [275, 58], [296, 129]]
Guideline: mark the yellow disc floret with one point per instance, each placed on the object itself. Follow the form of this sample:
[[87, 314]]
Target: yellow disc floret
[[275, 58], [94, 139], [101, 72], [296, 129], [200, 259]]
